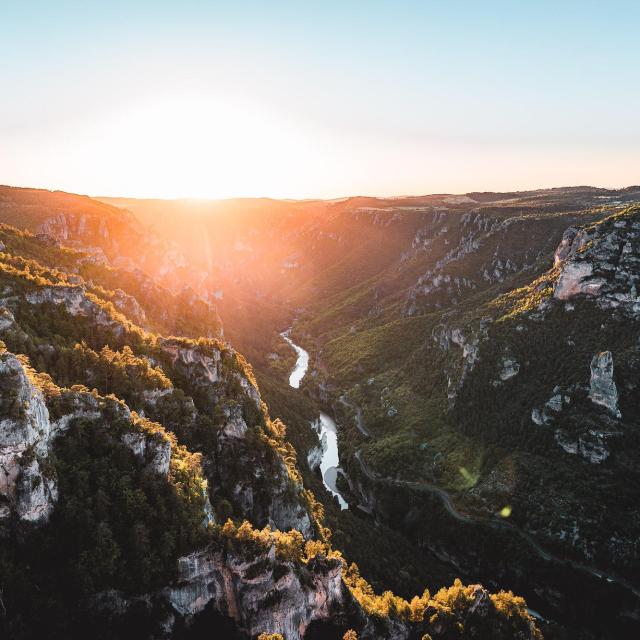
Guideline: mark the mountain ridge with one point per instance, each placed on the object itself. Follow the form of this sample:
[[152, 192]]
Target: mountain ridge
[[128, 491]]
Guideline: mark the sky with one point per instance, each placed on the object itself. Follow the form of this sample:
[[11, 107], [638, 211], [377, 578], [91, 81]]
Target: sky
[[318, 99]]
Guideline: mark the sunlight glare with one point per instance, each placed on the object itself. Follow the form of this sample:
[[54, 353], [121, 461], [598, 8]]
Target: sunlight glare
[[198, 147]]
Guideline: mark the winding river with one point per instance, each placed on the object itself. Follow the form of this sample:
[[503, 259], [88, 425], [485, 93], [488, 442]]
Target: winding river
[[324, 426], [302, 363]]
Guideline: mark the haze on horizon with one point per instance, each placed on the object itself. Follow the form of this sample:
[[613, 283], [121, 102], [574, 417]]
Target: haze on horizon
[[318, 100]]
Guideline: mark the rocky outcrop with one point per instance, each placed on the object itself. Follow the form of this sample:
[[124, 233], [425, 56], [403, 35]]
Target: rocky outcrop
[[469, 342], [129, 306], [573, 239], [509, 368], [28, 483], [25, 434], [576, 429], [591, 445], [77, 303], [260, 592], [602, 263], [435, 290], [235, 426], [437, 287], [603, 389], [266, 494], [576, 279], [546, 414], [201, 367], [58, 227], [6, 319], [153, 449]]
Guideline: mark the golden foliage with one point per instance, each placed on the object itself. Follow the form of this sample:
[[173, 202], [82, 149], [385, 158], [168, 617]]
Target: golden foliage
[[289, 545]]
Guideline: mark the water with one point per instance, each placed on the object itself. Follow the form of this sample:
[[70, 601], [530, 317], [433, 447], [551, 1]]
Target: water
[[329, 464], [302, 363], [325, 427]]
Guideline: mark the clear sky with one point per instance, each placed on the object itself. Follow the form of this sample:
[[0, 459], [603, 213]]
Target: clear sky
[[318, 99]]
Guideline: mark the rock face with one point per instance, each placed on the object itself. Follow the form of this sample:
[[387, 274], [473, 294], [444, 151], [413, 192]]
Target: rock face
[[25, 433], [602, 263], [267, 495], [603, 389], [154, 451], [202, 368], [573, 240], [262, 593], [314, 457], [591, 445], [77, 303], [129, 306], [577, 279], [575, 429], [235, 426], [469, 343]]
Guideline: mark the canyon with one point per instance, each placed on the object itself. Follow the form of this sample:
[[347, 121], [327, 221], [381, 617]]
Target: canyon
[[446, 384]]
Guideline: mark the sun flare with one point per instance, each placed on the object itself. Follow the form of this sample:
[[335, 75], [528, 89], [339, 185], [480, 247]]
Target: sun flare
[[195, 146]]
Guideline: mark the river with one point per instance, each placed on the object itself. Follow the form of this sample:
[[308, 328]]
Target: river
[[324, 426], [302, 363]]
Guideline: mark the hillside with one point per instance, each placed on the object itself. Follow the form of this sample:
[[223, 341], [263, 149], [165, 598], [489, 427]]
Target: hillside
[[464, 385], [146, 490]]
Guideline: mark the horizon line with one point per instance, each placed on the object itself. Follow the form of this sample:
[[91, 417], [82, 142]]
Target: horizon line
[[402, 196]]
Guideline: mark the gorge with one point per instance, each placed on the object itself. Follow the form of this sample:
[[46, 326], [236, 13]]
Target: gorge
[[420, 431]]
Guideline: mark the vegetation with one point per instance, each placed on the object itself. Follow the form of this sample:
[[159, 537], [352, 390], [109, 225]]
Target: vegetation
[[130, 525]]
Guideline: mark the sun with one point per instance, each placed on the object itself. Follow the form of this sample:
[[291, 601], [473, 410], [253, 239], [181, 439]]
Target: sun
[[200, 147]]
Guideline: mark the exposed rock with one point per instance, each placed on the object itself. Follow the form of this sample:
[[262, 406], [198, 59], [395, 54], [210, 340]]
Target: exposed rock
[[6, 319], [592, 445], [552, 407], [248, 388], [577, 279], [235, 426], [254, 595], [573, 240], [469, 343], [264, 493], [434, 290], [203, 368], [35, 493], [602, 264], [314, 457], [56, 227], [25, 432], [129, 306], [576, 429], [77, 303], [152, 449], [537, 417], [509, 368], [151, 396], [603, 389]]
